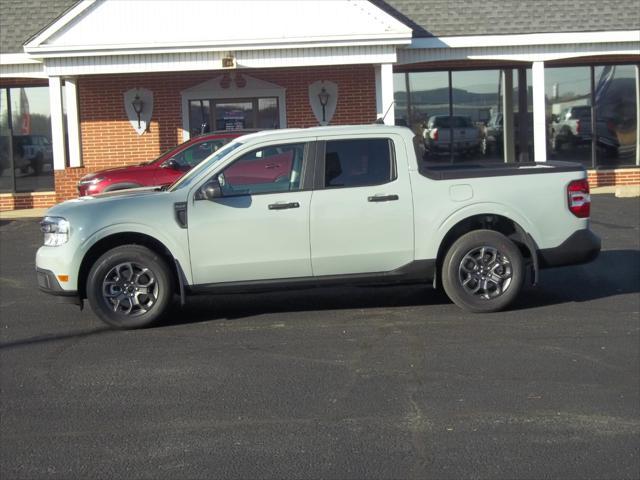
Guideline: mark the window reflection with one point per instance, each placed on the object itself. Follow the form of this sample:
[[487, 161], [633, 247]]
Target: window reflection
[[26, 153], [616, 114]]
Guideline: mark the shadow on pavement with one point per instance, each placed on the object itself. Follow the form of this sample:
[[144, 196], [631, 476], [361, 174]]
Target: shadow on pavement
[[53, 338], [614, 272], [230, 307]]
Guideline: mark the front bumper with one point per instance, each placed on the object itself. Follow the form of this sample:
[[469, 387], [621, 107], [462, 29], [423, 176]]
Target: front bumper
[[48, 283], [582, 246]]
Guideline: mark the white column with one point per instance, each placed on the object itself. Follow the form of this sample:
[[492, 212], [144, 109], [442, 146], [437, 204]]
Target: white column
[[539, 113], [73, 122], [57, 119], [384, 93], [509, 147]]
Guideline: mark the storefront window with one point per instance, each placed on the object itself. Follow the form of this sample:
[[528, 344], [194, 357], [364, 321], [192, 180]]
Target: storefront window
[[207, 115], [26, 153], [460, 114], [616, 114], [568, 96], [576, 95], [477, 100]]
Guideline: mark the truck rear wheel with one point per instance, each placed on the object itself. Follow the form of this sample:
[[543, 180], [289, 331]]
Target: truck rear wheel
[[483, 271], [130, 286]]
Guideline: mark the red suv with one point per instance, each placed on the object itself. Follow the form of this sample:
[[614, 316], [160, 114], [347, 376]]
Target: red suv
[[164, 170]]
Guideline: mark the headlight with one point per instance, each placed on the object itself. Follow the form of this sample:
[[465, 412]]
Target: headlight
[[90, 181], [56, 231]]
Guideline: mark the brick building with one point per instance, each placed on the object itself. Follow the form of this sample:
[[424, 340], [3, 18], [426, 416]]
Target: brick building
[[517, 71]]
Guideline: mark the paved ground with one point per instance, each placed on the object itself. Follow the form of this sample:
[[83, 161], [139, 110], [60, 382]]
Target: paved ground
[[341, 383]]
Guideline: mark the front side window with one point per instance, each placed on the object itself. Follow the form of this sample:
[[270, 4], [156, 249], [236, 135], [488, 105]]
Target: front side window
[[277, 168], [357, 163]]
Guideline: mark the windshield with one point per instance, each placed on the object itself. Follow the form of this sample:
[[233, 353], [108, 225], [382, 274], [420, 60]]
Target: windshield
[[187, 178]]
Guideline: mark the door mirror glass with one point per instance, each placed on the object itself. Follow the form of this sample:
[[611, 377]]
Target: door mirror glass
[[210, 190]]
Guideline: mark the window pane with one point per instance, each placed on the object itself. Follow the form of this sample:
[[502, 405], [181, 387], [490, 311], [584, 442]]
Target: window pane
[[428, 100], [32, 149], [5, 164], [234, 115], [268, 113], [568, 96], [269, 170], [616, 113], [354, 163], [401, 110], [477, 98], [199, 115]]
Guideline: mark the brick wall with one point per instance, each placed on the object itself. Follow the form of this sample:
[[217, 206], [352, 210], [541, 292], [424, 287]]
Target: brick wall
[[108, 139], [621, 176], [16, 201]]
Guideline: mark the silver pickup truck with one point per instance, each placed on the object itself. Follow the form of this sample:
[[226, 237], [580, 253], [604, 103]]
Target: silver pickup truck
[[356, 205]]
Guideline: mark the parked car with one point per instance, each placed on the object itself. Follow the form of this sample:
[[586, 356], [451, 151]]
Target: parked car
[[492, 138], [354, 205], [437, 135], [164, 170], [572, 128]]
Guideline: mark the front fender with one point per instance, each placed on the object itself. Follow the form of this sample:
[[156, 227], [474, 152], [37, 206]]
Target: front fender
[[178, 247]]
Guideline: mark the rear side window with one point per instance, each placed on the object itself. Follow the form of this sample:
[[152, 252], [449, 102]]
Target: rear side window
[[357, 163]]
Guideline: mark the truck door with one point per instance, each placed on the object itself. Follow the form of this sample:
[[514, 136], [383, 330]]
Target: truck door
[[259, 228], [362, 209]]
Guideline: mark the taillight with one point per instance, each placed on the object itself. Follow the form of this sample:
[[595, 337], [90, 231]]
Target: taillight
[[579, 198], [434, 134], [577, 126]]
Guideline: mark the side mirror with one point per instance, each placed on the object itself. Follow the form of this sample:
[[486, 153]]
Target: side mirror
[[210, 190], [171, 163]]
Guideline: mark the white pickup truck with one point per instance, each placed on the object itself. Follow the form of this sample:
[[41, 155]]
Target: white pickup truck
[[355, 206]]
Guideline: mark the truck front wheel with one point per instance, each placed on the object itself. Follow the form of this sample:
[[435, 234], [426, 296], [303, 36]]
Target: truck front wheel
[[130, 286], [483, 271]]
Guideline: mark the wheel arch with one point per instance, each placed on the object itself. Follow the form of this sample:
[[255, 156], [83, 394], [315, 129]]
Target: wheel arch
[[124, 238], [498, 223]]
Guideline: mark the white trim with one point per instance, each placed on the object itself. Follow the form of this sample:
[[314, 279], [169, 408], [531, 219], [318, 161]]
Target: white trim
[[559, 38], [49, 51], [73, 122], [384, 93], [182, 62], [59, 24], [57, 119], [17, 59], [539, 112], [533, 53], [211, 89], [25, 70]]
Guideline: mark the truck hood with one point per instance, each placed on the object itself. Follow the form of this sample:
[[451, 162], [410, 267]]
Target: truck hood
[[108, 200]]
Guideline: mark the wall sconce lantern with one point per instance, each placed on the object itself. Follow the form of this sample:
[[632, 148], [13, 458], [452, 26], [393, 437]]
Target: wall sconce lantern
[[138, 106], [323, 99], [323, 96]]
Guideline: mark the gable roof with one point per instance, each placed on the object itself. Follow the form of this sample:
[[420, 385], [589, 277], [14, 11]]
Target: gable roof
[[446, 18], [113, 26], [22, 19]]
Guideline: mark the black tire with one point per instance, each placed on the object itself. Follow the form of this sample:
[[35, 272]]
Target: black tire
[[130, 286], [497, 277]]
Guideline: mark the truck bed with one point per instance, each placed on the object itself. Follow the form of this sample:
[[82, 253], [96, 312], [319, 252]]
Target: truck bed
[[479, 170]]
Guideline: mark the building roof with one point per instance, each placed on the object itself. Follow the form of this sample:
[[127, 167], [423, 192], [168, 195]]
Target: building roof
[[446, 18], [21, 19]]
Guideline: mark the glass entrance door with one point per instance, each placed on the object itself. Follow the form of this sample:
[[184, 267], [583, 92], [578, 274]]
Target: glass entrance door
[[206, 115]]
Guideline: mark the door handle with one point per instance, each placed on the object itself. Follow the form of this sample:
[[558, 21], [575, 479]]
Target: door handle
[[283, 206], [383, 198]]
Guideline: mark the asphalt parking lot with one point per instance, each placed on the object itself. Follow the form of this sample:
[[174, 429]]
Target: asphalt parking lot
[[336, 383]]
